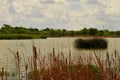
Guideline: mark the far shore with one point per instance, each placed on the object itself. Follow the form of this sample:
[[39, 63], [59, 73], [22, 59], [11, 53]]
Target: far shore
[[26, 37], [86, 37]]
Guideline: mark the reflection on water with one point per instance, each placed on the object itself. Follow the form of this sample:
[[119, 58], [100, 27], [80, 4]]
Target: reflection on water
[[45, 46]]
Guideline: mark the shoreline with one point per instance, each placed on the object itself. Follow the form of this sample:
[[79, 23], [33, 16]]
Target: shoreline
[[87, 37], [26, 37]]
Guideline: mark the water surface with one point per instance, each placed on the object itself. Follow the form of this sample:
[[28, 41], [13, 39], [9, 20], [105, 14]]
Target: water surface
[[45, 46]]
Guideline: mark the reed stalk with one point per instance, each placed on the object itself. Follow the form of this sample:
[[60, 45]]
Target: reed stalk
[[2, 74], [26, 69], [35, 62], [18, 61]]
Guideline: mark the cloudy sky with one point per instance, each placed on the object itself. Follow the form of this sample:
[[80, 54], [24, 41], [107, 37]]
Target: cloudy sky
[[67, 14]]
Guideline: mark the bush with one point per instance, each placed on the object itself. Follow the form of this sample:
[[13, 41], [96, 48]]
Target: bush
[[91, 44]]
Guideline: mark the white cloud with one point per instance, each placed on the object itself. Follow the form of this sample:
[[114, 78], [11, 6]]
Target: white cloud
[[3, 7], [69, 14], [113, 7], [52, 1]]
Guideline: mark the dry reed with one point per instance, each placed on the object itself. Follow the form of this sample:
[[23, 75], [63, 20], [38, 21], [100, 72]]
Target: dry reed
[[56, 66]]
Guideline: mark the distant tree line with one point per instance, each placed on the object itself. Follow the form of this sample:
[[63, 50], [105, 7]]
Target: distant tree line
[[8, 29]]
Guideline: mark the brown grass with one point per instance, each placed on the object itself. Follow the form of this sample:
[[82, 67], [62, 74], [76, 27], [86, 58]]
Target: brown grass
[[56, 66]]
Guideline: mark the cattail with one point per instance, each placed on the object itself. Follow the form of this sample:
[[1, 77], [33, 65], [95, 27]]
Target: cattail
[[35, 62], [53, 52], [34, 52], [18, 58], [26, 68], [2, 74]]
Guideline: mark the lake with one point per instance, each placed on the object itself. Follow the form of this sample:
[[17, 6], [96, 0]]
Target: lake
[[45, 46]]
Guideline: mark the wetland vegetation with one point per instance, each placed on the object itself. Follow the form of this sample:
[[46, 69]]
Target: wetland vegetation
[[59, 67], [80, 67]]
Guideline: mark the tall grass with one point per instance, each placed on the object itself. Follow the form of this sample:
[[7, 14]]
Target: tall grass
[[56, 66], [2, 74]]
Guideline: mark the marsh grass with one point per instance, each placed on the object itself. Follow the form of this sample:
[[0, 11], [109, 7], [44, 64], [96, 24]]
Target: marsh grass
[[94, 43], [57, 66]]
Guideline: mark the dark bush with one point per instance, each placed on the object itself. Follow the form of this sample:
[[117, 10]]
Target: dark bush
[[91, 43]]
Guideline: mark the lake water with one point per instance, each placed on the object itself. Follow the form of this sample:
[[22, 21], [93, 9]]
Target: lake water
[[45, 46]]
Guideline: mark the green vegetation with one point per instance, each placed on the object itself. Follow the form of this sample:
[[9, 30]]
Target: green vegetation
[[49, 32], [15, 36], [91, 43]]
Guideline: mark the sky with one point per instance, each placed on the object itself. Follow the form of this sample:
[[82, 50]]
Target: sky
[[61, 14]]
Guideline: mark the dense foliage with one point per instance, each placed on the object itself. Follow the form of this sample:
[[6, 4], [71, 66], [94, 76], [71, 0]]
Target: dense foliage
[[36, 33], [91, 43]]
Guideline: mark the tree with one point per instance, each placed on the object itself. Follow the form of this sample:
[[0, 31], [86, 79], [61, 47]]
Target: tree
[[72, 33], [84, 31], [59, 32], [101, 33], [33, 30], [52, 32], [7, 29], [93, 31], [63, 32], [117, 33], [47, 29], [21, 30], [106, 33]]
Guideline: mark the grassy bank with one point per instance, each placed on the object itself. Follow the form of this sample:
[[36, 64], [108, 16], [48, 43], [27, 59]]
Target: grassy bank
[[20, 36]]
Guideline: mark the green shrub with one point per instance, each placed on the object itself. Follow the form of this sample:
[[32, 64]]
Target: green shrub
[[91, 43]]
